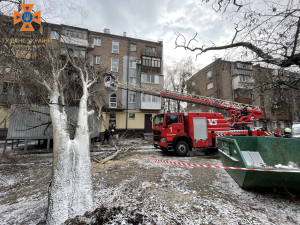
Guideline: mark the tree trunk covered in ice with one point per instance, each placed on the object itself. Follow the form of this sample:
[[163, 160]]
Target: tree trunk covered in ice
[[71, 189]]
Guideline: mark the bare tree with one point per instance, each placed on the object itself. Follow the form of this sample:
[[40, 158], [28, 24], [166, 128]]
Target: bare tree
[[176, 80], [265, 32]]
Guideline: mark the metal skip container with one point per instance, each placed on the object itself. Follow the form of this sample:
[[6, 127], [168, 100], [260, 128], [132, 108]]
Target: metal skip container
[[262, 162]]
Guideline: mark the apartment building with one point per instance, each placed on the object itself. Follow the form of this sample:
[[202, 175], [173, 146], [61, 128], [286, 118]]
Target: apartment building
[[245, 83], [129, 59]]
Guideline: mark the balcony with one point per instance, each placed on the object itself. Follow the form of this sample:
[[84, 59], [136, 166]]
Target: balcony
[[151, 53], [74, 41], [244, 100], [149, 69], [283, 116], [151, 105], [150, 102]]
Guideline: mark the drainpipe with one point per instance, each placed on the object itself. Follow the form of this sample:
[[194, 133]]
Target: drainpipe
[[127, 92], [231, 77]]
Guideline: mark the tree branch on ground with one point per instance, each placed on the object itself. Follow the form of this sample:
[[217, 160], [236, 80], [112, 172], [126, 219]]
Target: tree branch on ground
[[120, 148]]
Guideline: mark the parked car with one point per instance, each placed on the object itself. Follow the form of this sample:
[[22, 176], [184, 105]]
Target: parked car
[[296, 130]]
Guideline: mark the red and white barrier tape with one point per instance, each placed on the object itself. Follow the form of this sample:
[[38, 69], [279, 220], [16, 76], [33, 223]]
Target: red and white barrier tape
[[217, 167]]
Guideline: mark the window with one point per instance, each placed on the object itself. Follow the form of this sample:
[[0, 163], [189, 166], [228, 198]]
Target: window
[[131, 98], [244, 66], [150, 78], [274, 124], [1, 70], [132, 116], [75, 33], [132, 80], [155, 62], [112, 116], [245, 78], [113, 100], [96, 59], [114, 64], [156, 79], [193, 93], [147, 61], [154, 98], [97, 41], [150, 50], [211, 110], [172, 119], [132, 64], [133, 47], [209, 74], [115, 47], [54, 35], [193, 83], [79, 53], [150, 98], [210, 85]]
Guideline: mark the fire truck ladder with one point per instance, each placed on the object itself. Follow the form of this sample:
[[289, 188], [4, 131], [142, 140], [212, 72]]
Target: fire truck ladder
[[237, 116], [190, 98]]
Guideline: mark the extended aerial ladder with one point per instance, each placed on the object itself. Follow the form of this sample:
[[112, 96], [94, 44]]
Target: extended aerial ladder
[[234, 108]]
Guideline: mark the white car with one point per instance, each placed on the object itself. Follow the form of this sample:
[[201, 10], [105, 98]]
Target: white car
[[296, 130]]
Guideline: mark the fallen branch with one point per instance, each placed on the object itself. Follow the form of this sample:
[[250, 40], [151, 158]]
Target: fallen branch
[[120, 150]]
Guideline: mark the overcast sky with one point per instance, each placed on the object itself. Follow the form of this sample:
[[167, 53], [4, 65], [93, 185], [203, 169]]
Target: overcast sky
[[158, 19], [148, 19]]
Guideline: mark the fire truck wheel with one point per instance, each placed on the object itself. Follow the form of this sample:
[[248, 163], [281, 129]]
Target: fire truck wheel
[[181, 148]]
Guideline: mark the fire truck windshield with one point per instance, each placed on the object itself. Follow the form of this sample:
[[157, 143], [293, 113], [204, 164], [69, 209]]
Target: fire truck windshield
[[158, 120]]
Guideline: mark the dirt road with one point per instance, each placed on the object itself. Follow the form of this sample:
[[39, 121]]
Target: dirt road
[[159, 193]]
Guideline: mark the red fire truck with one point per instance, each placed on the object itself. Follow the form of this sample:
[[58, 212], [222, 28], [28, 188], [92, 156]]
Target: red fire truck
[[185, 132]]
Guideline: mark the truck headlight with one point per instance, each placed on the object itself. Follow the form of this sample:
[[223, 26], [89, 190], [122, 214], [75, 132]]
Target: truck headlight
[[163, 140]]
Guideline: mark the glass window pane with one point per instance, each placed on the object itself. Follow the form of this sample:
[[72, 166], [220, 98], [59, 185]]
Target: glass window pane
[[152, 78], [156, 79], [115, 47], [114, 64], [97, 41], [54, 35], [133, 47]]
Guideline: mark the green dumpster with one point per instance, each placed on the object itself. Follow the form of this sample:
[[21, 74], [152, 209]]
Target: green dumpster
[[265, 162]]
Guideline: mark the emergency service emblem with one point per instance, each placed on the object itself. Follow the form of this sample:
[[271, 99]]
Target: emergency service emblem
[[27, 17]]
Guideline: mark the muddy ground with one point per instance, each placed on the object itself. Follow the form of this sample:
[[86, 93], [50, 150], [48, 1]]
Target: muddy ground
[[139, 191]]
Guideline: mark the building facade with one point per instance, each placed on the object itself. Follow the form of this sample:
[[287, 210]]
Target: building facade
[[245, 83], [130, 60]]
